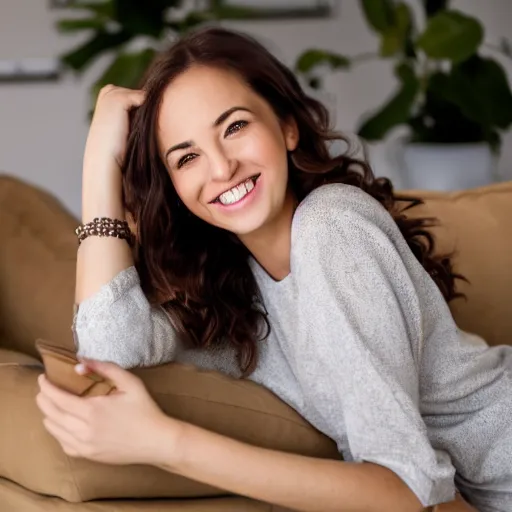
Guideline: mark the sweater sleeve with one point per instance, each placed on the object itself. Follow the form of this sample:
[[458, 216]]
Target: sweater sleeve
[[361, 371], [118, 324]]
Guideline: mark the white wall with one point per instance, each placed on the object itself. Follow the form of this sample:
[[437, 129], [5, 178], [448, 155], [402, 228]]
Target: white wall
[[43, 126]]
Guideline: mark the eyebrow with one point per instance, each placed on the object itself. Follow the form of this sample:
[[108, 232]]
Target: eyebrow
[[217, 122]]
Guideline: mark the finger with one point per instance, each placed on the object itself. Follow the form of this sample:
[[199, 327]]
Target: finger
[[128, 97], [70, 423], [64, 438], [122, 379], [68, 450], [69, 403], [137, 98]]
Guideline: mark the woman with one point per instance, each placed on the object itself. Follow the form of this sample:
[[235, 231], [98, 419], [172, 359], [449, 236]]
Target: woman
[[260, 255]]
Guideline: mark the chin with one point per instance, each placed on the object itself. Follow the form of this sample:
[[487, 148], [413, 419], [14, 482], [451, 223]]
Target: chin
[[244, 228]]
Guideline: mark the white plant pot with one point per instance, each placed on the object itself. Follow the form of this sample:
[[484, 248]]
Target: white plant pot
[[445, 167]]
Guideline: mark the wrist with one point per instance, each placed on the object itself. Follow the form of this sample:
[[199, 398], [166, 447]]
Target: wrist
[[171, 446], [102, 193]]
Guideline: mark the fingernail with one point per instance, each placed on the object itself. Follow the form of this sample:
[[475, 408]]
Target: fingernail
[[80, 368]]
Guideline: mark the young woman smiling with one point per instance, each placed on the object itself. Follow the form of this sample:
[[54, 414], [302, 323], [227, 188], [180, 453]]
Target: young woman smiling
[[261, 255]]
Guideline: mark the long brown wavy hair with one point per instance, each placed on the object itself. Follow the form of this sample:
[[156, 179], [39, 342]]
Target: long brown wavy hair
[[200, 273]]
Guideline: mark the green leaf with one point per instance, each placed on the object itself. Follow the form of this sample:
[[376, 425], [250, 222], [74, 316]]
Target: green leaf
[[101, 42], [141, 18], [126, 70], [379, 14], [439, 119], [394, 38], [80, 24], [481, 89], [451, 35], [314, 57], [397, 111], [432, 7]]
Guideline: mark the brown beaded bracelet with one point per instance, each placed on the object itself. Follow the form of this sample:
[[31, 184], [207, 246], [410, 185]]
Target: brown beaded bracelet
[[104, 226]]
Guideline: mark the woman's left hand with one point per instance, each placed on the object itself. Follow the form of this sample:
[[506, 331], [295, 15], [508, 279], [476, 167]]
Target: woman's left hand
[[125, 427]]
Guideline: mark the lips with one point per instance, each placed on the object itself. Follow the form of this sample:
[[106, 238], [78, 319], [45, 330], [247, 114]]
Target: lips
[[236, 192]]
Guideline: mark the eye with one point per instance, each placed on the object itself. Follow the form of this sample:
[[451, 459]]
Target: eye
[[185, 160], [236, 127]]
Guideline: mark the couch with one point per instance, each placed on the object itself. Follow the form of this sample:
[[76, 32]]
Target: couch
[[37, 266]]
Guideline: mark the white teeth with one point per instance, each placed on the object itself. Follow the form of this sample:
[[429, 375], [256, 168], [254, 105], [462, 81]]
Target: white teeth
[[236, 193]]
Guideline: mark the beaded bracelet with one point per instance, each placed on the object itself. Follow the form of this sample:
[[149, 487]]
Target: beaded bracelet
[[104, 226]]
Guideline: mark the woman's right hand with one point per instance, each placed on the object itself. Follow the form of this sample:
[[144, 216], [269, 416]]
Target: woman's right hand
[[106, 143], [105, 151]]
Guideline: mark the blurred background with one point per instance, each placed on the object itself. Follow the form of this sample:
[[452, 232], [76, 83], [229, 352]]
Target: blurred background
[[424, 83]]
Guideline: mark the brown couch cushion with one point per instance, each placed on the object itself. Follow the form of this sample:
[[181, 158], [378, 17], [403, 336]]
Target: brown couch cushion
[[239, 409], [14, 498], [477, 224], [11, 357], [37, 267]]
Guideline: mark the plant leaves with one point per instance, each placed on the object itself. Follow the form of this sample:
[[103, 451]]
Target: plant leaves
[[101, 42], [394, 38], [451, 35], [440, 119], [80, 24], [432, 7], [379, 14], [314, 57], [126, 70], [142, 18], [481, 89], [398, 109]]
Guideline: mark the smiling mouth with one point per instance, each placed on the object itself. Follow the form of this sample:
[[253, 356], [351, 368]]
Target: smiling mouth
[[238, 192]]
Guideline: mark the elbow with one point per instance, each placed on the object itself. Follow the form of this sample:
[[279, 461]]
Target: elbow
[[126, 346]]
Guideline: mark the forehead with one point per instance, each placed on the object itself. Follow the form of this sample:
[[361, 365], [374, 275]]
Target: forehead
[[204, 92]]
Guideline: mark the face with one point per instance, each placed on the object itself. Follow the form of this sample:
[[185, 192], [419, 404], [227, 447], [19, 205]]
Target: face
[[225, 150]]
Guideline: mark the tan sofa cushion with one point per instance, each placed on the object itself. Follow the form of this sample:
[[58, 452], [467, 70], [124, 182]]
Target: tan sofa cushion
[[14, 498], [243, 410], [477, 224], [37, 267]]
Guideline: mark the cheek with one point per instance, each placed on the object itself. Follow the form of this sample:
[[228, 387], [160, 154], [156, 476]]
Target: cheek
[[264, 146], [188, 187]]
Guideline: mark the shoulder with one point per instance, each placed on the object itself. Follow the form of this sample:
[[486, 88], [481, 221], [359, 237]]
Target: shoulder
[[336, 209]]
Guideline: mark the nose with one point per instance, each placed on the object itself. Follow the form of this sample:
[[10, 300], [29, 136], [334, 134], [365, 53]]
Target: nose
[[222, 167]]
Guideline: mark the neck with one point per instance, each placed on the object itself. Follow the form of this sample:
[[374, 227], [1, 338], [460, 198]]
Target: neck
[[271, 244]]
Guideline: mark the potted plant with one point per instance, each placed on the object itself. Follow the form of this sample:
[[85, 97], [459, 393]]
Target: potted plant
[[455, 102], [133, 31]]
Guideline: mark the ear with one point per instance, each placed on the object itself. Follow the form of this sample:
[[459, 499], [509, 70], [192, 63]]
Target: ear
[[290, 133]]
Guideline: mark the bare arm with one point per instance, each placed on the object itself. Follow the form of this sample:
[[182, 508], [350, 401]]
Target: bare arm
[[289, 480], [114, 321], [100, 259]]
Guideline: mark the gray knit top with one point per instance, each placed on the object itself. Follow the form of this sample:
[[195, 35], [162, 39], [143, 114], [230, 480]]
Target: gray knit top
[[362, 345]]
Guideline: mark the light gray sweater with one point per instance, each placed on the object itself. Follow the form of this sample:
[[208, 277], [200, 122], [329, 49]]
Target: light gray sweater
[[362, 345]]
